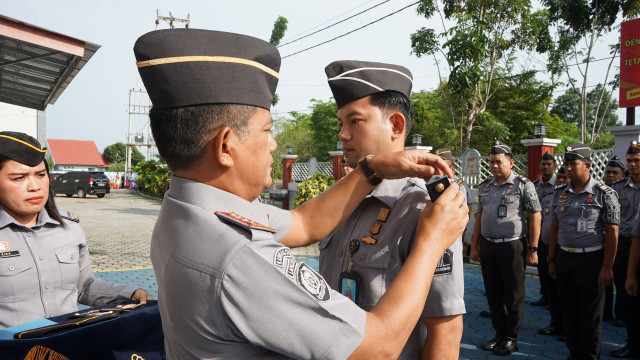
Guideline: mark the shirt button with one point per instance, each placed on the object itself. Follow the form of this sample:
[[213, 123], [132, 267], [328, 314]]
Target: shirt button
[[363, 256], [11, 267], [73, 256], [29, 234], [47, 287], [41, 258], [340, 253]]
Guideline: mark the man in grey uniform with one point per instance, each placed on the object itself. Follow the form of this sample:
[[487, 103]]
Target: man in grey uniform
[[374, 114], [628, 190], [582, 246], [544, 186], [227, 287], [499, 238]]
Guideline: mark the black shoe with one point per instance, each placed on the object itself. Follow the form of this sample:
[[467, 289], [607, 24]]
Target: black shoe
[[485, 313], [549, 330], [618, 323], [506, 347], [625, 352], [542, 301], [491, 344]]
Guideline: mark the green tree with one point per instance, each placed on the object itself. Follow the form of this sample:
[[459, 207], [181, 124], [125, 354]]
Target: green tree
[[294, 132], [431, 120], [578, 26], [279, 29], [325, 131], [478, 50], [117, 153]]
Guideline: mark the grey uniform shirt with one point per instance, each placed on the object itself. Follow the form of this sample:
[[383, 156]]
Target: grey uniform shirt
[[596, 203], [518, 194], [50, 273], [227, 291], [378, 264], [629, 199], [545, 192]]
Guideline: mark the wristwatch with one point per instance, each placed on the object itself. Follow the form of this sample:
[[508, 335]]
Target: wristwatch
[[368, 173], [533, 248]]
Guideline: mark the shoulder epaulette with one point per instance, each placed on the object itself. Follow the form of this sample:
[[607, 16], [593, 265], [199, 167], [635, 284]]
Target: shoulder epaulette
[[486, 180], [242, 221], [604, 187], [524, 178], [68, 215], [619, 181], [560, 186]]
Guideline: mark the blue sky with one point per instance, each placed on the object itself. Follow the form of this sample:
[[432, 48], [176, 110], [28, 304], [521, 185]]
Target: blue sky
[[94, 106]]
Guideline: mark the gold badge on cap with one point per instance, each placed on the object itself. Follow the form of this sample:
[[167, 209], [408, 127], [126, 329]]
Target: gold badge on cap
[[383, 214], [375, 228], [369, 240]]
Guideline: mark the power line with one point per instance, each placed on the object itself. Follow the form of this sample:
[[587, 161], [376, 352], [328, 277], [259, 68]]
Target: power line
[[352, 31], [334, 24]]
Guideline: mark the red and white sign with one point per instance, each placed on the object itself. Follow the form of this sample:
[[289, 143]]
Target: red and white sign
[[630, 63]]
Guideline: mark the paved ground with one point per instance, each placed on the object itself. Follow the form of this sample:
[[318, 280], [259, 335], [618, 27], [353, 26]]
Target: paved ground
[[118, 230]]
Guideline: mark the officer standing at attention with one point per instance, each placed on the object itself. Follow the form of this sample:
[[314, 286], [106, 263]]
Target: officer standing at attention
[[544, 186], [628, 190], [499, 238], [227, 287], [366, 253], [582, 246]]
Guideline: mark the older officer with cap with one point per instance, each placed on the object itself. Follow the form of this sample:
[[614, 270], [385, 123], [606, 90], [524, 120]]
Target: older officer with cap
[[582, 246], [499, 238], [628, 190], [45, 268], [366, 253], [544, 186], [227, 287]]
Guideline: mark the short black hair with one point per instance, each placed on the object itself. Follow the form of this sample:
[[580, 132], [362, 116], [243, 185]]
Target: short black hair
[[394, 101], [182, 134]]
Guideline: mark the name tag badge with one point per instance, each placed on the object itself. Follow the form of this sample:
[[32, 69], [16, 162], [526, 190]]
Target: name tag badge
[[350, 286], [502, 211], [8, 254], [582, 225]]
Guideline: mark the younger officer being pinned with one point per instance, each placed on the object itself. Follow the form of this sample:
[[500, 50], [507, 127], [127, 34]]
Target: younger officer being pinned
[[628, 190], [544, 186], [228, 288], [582, 246], [45, 269], [374, 114], [499, 238]]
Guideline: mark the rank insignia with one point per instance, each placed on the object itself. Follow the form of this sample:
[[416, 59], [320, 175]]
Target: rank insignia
[[562, 201], [588, 201], [369, 240], [589, 196], [508, 192], [562, 208], [622, 193], [242, 221], [383, 214], [375, 228], [511, 186]]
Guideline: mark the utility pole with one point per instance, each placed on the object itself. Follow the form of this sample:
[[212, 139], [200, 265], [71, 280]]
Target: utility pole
[[143, 110], [171, 20]]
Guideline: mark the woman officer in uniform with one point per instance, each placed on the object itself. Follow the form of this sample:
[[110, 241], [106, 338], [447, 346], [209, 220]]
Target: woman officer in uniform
[[45, 267]]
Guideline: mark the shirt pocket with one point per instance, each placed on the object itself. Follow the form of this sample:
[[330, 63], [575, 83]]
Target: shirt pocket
[[512, 198], [371, 263], [18, 279], [69, 267]]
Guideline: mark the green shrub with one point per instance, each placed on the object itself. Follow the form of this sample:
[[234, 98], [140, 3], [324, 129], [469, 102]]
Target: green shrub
[[152, 178], [312, 187]]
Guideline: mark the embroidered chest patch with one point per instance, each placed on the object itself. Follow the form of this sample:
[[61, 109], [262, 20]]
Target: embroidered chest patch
[[313, 283], [4, 246], [445, 265], [242, 221]]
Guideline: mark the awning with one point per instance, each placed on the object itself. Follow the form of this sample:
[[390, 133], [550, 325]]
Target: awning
[[37, 64]]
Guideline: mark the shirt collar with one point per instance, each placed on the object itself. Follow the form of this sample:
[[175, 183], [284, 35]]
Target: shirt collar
[[552, 181], [214, 199], [510, 179], [629, 182], [388, 191], [43, 218], [587, 188]]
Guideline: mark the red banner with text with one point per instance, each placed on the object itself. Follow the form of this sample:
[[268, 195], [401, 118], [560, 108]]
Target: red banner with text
[[630, 63]]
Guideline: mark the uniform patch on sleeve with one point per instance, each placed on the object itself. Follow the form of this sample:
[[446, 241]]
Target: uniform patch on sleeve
[[313, 283], [292, 264], [445, 265], [280, 256]]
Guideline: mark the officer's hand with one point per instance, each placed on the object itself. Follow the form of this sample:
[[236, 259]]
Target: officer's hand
[[631, 286], [605, 277], [142, 296], [552, 270], [448, 217], [532, 258], [475, 253], [410, 163]]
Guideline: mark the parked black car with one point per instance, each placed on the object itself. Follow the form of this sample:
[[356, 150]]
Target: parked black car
[[82, 183]]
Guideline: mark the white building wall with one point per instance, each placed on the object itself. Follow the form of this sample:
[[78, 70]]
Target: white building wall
[[18, 118]]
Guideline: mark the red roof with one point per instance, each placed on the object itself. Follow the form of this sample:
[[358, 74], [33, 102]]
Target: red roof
[[75, 152]]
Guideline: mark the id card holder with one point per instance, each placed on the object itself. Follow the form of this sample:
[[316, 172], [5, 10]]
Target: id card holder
[[349, 286], [582, 225], [502, 211]]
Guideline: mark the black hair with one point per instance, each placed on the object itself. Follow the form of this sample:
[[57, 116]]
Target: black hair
[[394, 101], [182, 134], [50, 206]]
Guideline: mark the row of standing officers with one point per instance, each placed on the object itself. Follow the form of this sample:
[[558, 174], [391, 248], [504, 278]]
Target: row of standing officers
[[576, 226]]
